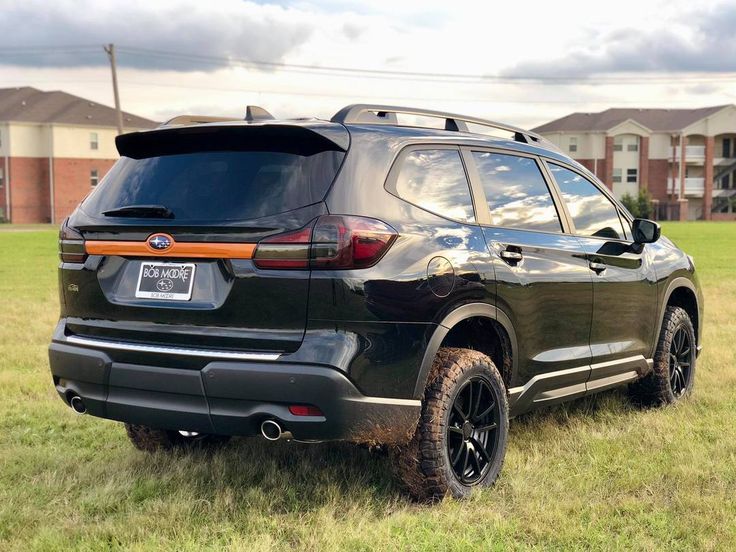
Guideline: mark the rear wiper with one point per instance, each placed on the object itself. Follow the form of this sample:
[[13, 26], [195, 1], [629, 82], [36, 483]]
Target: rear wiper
[[141, 211]]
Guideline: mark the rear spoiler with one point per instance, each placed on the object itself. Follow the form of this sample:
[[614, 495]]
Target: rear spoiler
[[307, 138]]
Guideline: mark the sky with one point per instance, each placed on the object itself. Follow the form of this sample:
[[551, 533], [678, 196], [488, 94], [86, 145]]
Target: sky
[[520, 62]]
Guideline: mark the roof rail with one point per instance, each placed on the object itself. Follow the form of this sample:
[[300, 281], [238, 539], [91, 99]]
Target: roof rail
[[195, 120], [386, 115]]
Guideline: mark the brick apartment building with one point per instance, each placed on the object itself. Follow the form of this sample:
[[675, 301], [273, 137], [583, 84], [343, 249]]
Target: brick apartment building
[[686, 158], [54, 147]]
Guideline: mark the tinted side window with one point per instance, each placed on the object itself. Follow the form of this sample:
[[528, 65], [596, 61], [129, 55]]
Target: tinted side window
[[517, 194], [591, 211], [435, 180]]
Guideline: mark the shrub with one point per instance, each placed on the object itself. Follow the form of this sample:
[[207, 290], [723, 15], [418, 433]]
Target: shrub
[[631, 204], [639, 206]]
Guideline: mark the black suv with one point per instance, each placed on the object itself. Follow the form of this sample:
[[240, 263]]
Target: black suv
[[392, 276]]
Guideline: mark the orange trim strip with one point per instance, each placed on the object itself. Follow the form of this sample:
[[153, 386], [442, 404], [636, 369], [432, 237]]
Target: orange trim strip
[[177, 249]]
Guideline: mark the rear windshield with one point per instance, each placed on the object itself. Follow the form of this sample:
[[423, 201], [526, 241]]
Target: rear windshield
[[216, 186]]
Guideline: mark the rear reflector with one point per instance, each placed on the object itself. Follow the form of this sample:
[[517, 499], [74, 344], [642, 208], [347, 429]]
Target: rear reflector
[[305, 410], [332, 242]]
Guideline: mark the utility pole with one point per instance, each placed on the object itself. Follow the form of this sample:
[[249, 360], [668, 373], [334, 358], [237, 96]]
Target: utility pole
[[110, 49]]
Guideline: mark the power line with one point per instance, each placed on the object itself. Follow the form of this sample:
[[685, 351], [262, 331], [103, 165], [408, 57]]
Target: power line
[[352, 72], [414, 74], [240, 90]]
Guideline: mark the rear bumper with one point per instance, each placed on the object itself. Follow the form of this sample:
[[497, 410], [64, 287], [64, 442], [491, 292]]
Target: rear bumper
[[228, 396]]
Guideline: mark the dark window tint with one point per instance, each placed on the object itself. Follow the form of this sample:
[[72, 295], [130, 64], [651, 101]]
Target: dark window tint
[[517, 194], [435, 180], [592, 212], [217, 186]]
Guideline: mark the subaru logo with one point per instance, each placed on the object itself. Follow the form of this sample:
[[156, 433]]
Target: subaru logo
[[160, 242]]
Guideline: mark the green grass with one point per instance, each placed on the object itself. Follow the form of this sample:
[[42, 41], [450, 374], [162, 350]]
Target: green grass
[[594, 474]]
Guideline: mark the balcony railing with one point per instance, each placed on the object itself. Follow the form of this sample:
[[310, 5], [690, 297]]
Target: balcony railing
[[692, 153], [694, 186]]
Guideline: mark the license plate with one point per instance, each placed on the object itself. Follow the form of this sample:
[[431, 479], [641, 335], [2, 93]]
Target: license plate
[[171, 281]]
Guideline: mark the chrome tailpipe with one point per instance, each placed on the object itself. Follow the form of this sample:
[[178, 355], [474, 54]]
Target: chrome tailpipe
[[272, 431], [78, 405]]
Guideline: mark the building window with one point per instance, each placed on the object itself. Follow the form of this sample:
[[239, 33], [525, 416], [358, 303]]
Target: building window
[[93, 178], [93, 141], [618, 144], [2, 177], [726, 147], [632, 176], [617, 175], [725, 182], [573, 145], [634, 146]]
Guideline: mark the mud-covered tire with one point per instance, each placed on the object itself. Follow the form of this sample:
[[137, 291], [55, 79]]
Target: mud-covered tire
[[424, 466], [149, 439], [663, 385]]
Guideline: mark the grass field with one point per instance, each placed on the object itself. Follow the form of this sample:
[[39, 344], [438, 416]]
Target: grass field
[[594, 474]]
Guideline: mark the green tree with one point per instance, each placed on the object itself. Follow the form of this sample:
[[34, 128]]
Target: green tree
[[644, 204], [631, 203]]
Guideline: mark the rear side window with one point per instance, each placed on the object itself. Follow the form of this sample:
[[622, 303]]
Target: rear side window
[[592, 212], [517, 194], [217, 186], [435, 181]]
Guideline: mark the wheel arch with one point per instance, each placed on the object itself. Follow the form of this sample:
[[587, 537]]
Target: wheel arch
[[681, 292], [454, 320]]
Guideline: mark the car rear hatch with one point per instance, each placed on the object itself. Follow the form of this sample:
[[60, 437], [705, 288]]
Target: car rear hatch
[[161, 252]]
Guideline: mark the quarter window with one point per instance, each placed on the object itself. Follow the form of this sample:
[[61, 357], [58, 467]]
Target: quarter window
[[592, 212], [517, 194], [435, 181]]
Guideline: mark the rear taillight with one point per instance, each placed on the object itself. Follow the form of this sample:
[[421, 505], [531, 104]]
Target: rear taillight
[[332, 242], [71, 245], [288, 250]]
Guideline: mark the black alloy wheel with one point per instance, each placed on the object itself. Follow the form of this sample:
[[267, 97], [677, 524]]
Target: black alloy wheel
[[680, 362], [472, 431]]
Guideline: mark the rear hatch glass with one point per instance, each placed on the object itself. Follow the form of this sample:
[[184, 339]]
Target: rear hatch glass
[[216, 186]]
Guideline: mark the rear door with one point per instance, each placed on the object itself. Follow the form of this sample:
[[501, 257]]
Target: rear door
[[625, 285], [171, 231], [543, 280]]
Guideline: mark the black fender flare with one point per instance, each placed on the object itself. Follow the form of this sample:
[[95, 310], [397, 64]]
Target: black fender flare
[[674, 284], [454, 317]]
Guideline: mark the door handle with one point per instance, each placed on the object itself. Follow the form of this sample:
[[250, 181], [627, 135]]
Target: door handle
[[596, 266], [511, 257]]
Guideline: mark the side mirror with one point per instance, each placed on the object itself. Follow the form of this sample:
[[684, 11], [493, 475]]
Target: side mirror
[[645, 231]]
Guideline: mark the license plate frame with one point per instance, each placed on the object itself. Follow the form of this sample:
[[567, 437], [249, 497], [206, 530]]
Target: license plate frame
[[165, 281]]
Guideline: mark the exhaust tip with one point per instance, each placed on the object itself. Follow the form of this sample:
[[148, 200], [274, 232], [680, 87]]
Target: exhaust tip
[[271, 430], [77, 405]]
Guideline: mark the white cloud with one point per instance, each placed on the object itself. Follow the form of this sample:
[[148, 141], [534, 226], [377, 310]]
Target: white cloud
[[462, 37]]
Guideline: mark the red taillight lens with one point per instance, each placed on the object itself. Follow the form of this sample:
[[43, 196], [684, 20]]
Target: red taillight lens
[[332, 242], [343, 242], [288, 250], [71, 245], [305, 410]]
